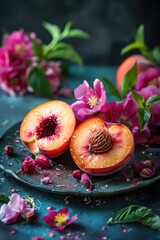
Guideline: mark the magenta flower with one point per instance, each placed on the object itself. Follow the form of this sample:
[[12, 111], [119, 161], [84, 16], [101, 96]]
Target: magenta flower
[[127, 114], [90, 100], [150, 76], [28, 213], [28, 165], [85, 179], [43, 161], [10, 212], [20, 44], [59, 219], [12, 73]]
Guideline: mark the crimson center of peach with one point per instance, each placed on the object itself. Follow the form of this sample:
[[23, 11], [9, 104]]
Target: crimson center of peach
[[47, 127]]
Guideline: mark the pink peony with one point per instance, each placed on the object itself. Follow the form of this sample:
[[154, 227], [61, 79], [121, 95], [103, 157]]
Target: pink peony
[[28, 165], [59, 219], [12, 73], [89, 101], [43, 161], [127, 114], [10, 212], [20, 44]]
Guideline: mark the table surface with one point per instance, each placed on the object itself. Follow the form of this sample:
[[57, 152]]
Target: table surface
[[93, 212]]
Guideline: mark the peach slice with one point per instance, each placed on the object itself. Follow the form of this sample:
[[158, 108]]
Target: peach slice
[[48, 128], [100, 148]]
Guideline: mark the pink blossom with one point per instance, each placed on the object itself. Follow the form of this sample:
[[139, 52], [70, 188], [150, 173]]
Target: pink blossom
[[53, 73], [127, 114], [89, 101], [59, 219], [12, 73], [19, 43], [43, 161], [150, 76], [85, 179], [9, 212], [28, 165]]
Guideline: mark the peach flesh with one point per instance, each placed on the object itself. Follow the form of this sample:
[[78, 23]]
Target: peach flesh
[[48, 127], [117, 154]]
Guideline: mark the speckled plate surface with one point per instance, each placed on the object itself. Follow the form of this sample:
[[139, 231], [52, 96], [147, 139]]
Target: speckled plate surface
[[61, 172]]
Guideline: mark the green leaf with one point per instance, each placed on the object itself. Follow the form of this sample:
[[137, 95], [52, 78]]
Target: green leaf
[[4, 198], [137, 213], [65, 51], [144, 116], [156, 54], [140, 34], [39, 82], [129, 80], [53, 29], [37, 48], [113, 90], [132, 46], [153, 100], [66, 29], [77, 33], [138, 97]]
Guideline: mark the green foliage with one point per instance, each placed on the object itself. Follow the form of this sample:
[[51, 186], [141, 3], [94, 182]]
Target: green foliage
[[113, 90], [39, 82], [129, 80], [139, 44], [137, 213], [4, 198], [59, 50]]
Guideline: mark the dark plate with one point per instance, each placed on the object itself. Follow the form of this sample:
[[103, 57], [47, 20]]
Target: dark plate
[[61, 172]]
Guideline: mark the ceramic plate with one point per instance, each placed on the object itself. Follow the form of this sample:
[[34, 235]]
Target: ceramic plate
[[61, 172]]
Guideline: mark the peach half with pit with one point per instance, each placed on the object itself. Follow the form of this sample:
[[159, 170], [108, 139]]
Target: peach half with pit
[[47, 128], [100, 148]]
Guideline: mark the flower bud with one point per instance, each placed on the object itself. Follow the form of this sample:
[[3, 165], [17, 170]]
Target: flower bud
[[8, 150], [43, 161], [77, 174], [147, 172], [138, 166], [28, 165]]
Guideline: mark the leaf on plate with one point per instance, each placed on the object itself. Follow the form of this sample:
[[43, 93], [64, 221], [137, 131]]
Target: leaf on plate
[[137, 213]]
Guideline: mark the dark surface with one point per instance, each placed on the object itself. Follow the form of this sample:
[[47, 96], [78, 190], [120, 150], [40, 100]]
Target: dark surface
[[93, 212], [110, 23]]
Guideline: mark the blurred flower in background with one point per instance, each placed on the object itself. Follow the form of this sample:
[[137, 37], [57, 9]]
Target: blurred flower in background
[[26, 64]]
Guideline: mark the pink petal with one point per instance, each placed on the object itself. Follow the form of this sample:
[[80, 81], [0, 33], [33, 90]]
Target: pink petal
[[16, 203], [7, 215]]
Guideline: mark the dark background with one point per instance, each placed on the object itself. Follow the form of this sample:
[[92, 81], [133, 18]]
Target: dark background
[[111, 23]]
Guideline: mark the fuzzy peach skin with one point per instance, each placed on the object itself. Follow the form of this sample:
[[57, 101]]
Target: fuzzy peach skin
[[47, 128], [127, 64], [108, 162]]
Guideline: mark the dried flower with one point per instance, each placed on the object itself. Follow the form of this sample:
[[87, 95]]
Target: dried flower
[[43, 161], [85, 179], [137, 166], [28, 165], [147, 172], [77, 174], [59, 219], [8, 150]]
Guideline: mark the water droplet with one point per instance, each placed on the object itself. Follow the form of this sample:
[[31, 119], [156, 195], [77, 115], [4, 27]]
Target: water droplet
[[64, 139], [36, 113]]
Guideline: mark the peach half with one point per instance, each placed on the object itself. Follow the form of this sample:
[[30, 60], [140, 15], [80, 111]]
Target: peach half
[[48, 128], [100, 148]]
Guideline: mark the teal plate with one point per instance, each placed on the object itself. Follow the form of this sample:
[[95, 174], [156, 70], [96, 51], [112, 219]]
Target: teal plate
[[61, 173]]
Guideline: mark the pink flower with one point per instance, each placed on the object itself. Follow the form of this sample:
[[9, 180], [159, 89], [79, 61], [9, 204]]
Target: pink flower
[[127, 114], [29, 214], [53, 73], [28, 165], [59, 219], [150, 76], [9, 212], [12, 73], [19, 43], [90, 100], [43, 161], [85, 179]]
